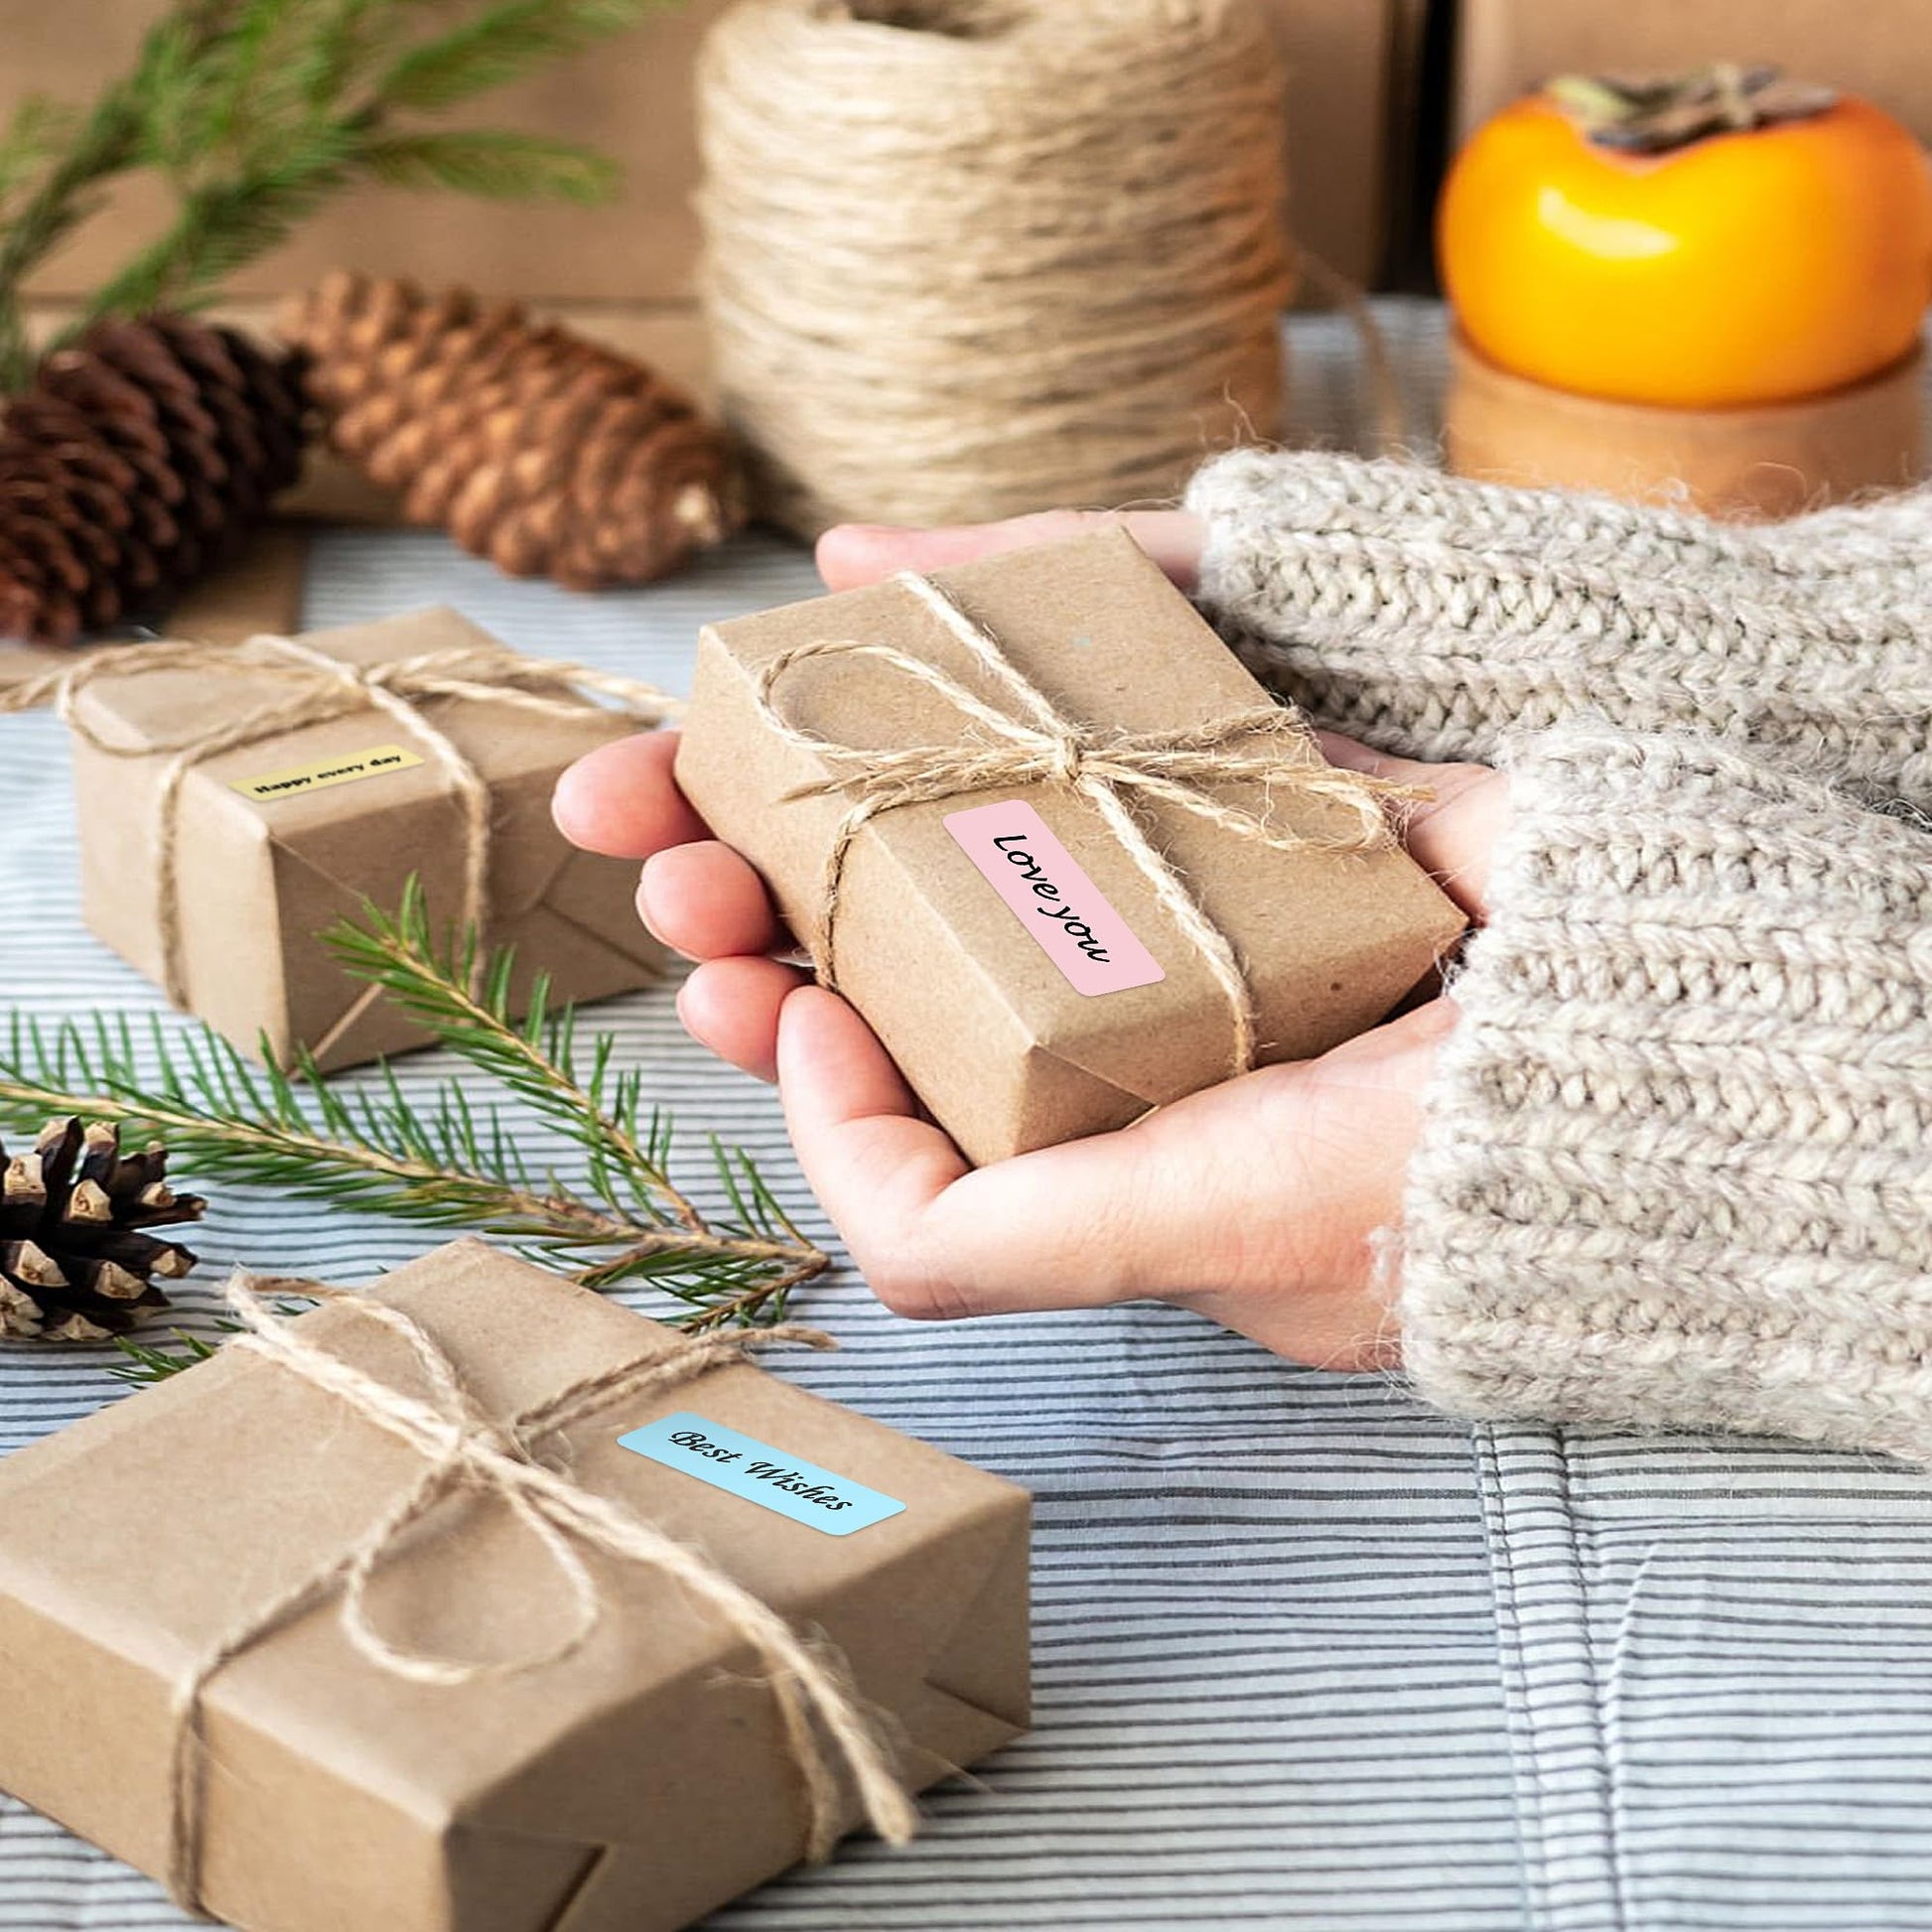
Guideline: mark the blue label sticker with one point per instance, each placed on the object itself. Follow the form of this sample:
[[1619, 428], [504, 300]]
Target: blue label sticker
[[760, 1473]]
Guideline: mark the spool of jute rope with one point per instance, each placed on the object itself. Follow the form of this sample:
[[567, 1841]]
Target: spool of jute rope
[[971, 257]]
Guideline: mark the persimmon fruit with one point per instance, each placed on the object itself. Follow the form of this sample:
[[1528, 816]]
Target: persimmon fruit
[[1728, 260]]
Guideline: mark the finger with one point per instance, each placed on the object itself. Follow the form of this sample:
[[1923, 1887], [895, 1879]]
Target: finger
[[1279, 1175], [622, 799], [1451, 831], [704, 900], [1273, 1178], [1070, 1225], [1267, 1180], [1398, 1055], [731, 1007], [875, 1165], [850, 554]]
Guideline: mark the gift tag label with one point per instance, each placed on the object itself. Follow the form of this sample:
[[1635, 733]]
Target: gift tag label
[[1056, 902], [760, 1473], [342, 769]]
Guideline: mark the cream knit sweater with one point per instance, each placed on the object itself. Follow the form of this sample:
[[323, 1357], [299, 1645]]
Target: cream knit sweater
[[1674, 1169]]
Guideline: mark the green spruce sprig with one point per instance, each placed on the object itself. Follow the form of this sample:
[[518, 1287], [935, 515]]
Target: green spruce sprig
[[150, 1362], [256, 112], [445, 1160]]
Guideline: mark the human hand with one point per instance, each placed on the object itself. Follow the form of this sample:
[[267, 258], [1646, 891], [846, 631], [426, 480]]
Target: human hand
[[852, 554], [1255, 1202]]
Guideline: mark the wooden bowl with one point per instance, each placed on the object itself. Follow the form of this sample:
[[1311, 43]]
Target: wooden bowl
[[1772, 461]]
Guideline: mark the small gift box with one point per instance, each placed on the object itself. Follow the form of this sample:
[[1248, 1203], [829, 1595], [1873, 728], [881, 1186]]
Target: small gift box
[[479, 1604], [238, 801], [1063, 852]]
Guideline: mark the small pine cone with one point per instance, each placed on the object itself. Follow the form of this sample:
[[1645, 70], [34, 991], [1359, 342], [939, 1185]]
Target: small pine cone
[[136, 461], [74, 1261], [545, 453]]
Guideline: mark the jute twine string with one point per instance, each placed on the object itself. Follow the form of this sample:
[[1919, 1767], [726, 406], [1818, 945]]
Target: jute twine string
[[321, 688], [970, 258], [1035, 743], [466, 1454]]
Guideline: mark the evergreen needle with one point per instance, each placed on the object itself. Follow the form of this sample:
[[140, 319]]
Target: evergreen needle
[[470, 1010], [255, 111], [447, 1159]]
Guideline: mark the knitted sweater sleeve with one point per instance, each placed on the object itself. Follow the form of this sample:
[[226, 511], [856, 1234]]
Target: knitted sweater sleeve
[[1431, 615], [1674, 1165]]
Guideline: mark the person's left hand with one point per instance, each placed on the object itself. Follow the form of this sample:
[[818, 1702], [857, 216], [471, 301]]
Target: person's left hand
[[1255, 1201]]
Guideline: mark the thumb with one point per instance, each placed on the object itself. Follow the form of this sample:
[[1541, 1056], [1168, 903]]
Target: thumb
[[1449, 831]]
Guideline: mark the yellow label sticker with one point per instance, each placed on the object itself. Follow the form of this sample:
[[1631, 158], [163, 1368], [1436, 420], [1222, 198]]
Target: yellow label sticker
[[342, 769]]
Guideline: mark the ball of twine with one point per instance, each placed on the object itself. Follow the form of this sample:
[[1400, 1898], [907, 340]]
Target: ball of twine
[[971, 257]]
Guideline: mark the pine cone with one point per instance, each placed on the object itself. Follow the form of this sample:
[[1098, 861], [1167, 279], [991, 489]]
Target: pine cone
[[75, 1263], [533, 447], [135, 462]]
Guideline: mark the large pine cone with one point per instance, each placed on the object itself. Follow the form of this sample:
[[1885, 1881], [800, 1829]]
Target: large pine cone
[[74, 1261], [543, 452], [135, 462]]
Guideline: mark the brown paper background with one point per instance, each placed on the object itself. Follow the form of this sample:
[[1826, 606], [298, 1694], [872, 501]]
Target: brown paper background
[[343, 1796], [631, 97], [627, 273], [1877, 47]]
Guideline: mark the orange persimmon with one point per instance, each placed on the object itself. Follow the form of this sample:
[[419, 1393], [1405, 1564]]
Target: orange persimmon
[[1747, 261]]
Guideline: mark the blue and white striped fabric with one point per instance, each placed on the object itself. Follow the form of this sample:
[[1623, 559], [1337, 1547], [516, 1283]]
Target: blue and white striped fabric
[[1308, 1655]]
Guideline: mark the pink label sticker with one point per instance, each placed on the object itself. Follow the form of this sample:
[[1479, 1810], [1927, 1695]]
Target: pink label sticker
[[1056, 901]]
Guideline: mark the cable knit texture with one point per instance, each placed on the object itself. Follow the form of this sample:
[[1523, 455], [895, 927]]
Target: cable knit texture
[[1674, 1163], [1431, 615], [1673, 1169]]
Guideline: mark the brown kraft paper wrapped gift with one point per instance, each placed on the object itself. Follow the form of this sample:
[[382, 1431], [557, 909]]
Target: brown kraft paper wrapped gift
[[1001, 1044], [256, 878], [630, 1786]]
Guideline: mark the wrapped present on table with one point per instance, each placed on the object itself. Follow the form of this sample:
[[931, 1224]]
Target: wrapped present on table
[[236, 802], [479, 1604]]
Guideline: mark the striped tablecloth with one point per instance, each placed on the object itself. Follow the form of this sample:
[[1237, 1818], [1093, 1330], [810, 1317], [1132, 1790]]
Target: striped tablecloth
[[1308, 1655]]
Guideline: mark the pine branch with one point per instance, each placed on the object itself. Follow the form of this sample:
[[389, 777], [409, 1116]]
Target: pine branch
[[446, 1161], [146, 1362], [259, 110], [496, 165], [36, 134], [216, 231], [64, 198], [536, 1061], [33, 138], [504, 40], [108, 141]]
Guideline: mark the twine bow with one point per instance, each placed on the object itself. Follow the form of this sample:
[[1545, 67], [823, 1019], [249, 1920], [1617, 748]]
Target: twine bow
[[466, 1451], [1034, 742], [321, 688]]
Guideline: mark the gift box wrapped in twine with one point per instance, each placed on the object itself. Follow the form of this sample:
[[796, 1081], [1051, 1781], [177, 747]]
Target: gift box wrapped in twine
[[1254, 902], [379, 1620], [239, 800]]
